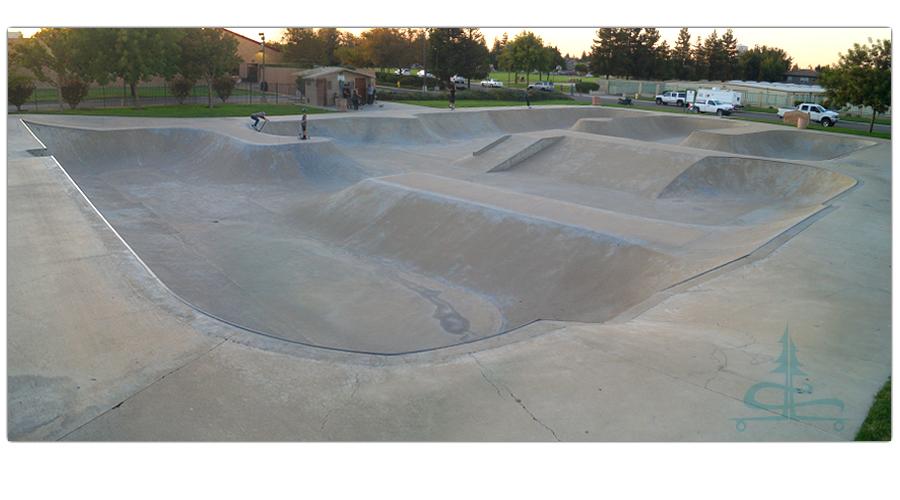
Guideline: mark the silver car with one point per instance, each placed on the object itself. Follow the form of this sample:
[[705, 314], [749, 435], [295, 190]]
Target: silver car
[[545, 86]]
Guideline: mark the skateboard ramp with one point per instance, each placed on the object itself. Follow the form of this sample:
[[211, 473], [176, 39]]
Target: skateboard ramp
[[786, 144], [669, 129]]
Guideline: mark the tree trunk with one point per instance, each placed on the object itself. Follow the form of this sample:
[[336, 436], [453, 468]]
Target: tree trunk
[[59, 91], [872, 123], [209, 91], [137, 99]]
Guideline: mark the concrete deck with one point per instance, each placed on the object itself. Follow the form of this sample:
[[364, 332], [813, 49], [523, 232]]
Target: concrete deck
[[631, 279]]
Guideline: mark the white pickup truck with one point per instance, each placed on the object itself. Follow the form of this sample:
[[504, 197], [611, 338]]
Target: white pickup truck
[[816, 114], [711, 106], [672, 97]]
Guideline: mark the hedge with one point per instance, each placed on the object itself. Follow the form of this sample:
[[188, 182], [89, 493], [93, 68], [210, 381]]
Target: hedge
[[472, 95]]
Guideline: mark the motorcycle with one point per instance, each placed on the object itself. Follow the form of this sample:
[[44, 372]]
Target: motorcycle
[[626, 101]]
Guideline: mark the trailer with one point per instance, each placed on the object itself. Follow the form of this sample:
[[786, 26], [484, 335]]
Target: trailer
[[725, 96]]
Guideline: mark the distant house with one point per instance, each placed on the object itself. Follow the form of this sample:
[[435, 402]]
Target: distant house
[[801, 77]]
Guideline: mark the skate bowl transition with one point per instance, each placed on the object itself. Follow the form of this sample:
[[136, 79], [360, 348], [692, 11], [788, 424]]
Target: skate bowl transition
[[391, 235]]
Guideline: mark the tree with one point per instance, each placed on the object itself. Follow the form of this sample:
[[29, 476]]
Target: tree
[[301, 47], [56, 56], [628, 52], [447, 47], [20, 88], [681, 56], [729, 44], [862, 77], [699, 60], [529, 53], [353, 51], [606, 53], [476, 56], [387, 47], [134, 54], [763, 64], [206, 53], [74, 90]]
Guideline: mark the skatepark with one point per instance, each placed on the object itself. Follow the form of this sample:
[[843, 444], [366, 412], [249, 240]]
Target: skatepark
[[558, 273]]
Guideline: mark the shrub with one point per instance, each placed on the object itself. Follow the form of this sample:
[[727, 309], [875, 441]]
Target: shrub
[[20, 89], [74, 90], [181, 89], [586, 86], [223, 87], [472, 95]]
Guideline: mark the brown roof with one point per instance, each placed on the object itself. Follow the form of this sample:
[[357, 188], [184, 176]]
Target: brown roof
[[232, 33]]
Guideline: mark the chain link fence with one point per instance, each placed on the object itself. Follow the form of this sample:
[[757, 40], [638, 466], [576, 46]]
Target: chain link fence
[[120, 96]]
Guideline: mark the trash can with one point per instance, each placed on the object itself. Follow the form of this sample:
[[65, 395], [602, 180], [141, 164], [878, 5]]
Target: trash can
[[595, 100], [340, 104]]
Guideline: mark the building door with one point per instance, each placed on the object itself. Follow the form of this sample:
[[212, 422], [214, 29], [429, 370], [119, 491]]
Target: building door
[[361, 86], [253, 73], [321, 92]]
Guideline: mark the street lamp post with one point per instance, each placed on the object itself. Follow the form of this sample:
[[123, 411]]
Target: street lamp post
[[263, 86], [424, 64]]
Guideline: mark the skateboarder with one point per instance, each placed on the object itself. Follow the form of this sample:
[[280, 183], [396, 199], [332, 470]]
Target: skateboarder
[[303, 125], [256, 117], [452, 95]]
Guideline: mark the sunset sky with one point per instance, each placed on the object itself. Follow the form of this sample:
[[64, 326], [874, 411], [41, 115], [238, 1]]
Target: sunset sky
[[808, 46]]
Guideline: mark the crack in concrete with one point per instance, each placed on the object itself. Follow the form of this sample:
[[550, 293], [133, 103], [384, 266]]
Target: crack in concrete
[[120, 403], [513, 396], [356, 385]]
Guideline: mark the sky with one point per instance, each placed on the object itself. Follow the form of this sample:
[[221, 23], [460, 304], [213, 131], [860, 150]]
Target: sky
[[808, 46]]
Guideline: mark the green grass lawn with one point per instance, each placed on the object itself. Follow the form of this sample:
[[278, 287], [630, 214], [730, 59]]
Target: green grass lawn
[[877, 426], [190, 111]]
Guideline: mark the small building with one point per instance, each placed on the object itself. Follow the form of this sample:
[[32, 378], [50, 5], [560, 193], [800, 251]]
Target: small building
[[801, 77], [321, 86], [252, 56]]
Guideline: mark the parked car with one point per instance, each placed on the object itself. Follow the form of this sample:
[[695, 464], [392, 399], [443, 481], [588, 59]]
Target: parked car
[[816, 113], [402, 72], [545, 86], [672, 97], [457, 80], [712, 106], [490, 82], [422, 73]]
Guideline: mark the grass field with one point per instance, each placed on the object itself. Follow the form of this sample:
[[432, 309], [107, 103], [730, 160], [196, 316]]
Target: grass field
[[877, 426]]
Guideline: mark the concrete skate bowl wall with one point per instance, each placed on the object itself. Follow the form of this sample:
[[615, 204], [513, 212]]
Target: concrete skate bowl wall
[[202, 156], [670, 129], [772, 183], [429, 128], [531, 267], [610, 165], [786, 144]]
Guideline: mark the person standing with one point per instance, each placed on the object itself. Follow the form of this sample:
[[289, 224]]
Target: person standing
[[354, 99], [528, 98], [452, 95], [303, 125], [370, 91]]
